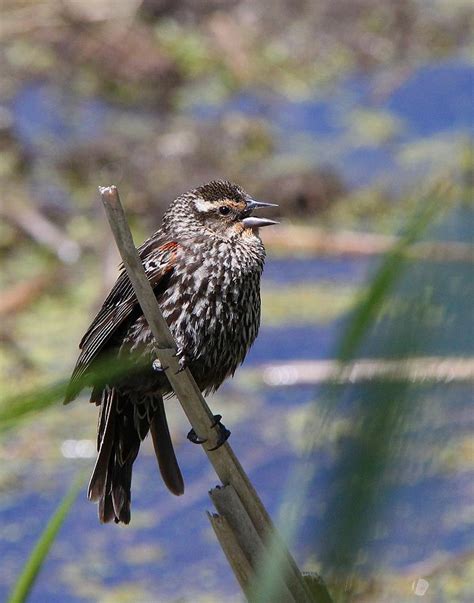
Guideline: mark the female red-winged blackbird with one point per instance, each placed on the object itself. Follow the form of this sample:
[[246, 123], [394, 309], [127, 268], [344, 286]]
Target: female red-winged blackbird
[[204, 264]]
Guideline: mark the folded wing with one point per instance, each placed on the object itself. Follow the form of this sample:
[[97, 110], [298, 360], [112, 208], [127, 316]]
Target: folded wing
[[158, 261]]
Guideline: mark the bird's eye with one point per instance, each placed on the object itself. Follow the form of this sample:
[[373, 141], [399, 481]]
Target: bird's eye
[[224, 210]]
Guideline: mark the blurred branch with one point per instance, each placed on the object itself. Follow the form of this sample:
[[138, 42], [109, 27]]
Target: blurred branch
[[20, 21], [17, 21], [200, 416], [35, 224], [21, 295], [313, 372], [310, 239]]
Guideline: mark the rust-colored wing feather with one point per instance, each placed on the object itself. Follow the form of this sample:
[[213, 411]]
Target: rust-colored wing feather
[[159, 262]]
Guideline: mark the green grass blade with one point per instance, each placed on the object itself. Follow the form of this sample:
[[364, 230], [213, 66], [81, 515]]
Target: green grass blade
[[388, 274], [26, 579], [17, 408], [382, 423]]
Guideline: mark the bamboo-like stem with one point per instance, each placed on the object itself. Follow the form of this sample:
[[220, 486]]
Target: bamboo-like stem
[[229, 505], [231, 508], [200, 416], [239, 563]]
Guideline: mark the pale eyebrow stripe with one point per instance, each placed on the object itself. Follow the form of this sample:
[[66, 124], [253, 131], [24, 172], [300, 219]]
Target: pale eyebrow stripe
[[203, 206]]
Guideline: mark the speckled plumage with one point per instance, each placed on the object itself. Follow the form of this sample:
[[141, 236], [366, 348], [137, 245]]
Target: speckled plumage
[[205, 265]]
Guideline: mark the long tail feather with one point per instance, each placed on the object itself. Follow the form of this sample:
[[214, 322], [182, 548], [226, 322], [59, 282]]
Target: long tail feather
[[120, 431], [105, 444], [164, 451], [106, 507], [121, 491]]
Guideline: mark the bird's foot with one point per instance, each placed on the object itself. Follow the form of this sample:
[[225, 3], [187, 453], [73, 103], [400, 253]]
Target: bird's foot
[[223, 434], [157, 366], [182, 361], [194, 438]]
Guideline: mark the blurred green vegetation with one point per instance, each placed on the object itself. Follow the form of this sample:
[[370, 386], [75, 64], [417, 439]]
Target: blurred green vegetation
[[27, 578], [382, 438], [108, 93]]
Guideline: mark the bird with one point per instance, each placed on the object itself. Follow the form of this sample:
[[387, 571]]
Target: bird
[[204, 265]]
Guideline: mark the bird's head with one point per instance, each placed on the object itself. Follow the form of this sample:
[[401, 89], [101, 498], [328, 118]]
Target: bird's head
[[218, 208]]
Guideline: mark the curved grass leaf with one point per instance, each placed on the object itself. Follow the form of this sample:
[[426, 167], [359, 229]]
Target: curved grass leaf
[[388, 274], [16, 408], [381, 424], [26, 579]]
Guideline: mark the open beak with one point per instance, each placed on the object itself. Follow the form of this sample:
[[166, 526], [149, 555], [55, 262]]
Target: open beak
[[251, 221]]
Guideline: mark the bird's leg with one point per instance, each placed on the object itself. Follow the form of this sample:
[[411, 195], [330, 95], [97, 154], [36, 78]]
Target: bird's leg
[[182, 360], [224, 433], [157, 366], [194, 438]]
